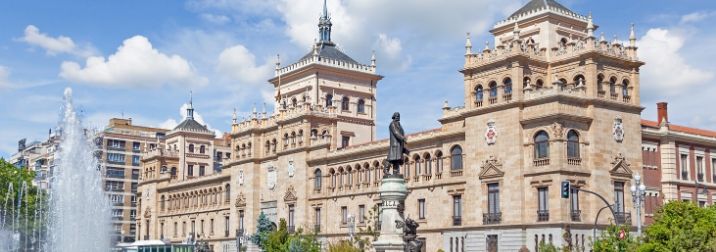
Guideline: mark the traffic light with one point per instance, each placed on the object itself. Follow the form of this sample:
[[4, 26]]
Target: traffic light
[[565, 189]]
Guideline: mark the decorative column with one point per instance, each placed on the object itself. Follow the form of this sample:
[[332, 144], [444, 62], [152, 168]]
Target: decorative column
[[392, 192]]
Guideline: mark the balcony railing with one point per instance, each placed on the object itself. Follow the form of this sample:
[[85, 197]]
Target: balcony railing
[[491, 218], [622, 217], [478, 103], [507, 97], [700, 176], [291, 229], [576, 215], [613, 96], [226, 233], [492, 100], [542, 215], [457, 220], [574, 161], [626, 98], [317, 228], [600, 93], [541, 162], [455, 173], [684, 176]]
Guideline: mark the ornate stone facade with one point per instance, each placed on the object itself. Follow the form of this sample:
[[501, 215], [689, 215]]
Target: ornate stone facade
[[549, 87]]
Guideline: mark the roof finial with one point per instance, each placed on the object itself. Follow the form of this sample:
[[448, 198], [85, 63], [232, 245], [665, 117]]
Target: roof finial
[[278, 61], [468, 45], [372, 59], [590, 26], [632, 36], [234, 118], [324, 25], [601, 38], [616, 40], [325, 9], [487, 45], [190, 108], [516, 31]]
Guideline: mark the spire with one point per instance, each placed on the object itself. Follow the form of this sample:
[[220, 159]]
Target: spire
[[324, 26], [516, 32], [487, 46], [590, 26], [468, 45], [190, 108], [632, 36], [616, 40], [601, 38]]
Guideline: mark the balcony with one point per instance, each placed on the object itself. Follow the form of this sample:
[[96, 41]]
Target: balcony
[[457, 220], [317, 228], [626, 99], [226, 233], [240, 232], [700, 177], [455, 173], [507, 97], [492, 100], [291, 229], [491, 218], [601, 93], [574, 161], [684, 176], [478, 103], [622, 217], [543, 215], [541, 162], [576, 215]]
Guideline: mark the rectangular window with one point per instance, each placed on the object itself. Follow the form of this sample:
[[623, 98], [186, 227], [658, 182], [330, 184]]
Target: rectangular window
[[183, 228], [345, 141], [115, 144], [713, 170], [226, 226], [574, 197], [135, 146], [421, 209], [619, 197], [211, 226], [135, 174], [493, 198], [291, 211], [361, 213], [193, 227], [132, 214], [542, 198], [115, 172], [317, 219], [201, 228], [176, 228], [202, 170], [344, 215], [684, 166], [241, 220], [115, 158], [135, 160], [190, 170], [700, 168], [457, 205]]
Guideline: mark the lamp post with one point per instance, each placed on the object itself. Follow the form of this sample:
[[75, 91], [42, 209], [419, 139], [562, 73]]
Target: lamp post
[[638, 193]]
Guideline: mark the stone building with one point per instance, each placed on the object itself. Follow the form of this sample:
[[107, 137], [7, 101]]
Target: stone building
[[550, 102], [184, 188], [38, 157]]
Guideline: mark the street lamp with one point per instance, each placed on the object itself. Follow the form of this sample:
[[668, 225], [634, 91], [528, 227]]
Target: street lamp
[[638, 194]]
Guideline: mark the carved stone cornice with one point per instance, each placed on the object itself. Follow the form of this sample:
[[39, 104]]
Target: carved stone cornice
[[620, 167]]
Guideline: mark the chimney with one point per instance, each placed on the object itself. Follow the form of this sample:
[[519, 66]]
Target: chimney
[[662, 113]]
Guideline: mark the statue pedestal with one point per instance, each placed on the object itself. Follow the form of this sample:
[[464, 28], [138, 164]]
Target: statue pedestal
[[392, 192]]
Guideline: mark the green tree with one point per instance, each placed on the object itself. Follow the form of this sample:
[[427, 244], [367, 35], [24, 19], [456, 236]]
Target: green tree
[[33, 199], [263, 229], [343, 246], [681, 226], [615, 238]]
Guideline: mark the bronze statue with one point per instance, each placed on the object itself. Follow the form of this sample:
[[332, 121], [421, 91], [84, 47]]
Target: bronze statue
[[397, 145], [410, 235]]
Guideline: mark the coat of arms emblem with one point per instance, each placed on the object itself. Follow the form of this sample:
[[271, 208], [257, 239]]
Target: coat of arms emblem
[[618, 130], [491, 133]]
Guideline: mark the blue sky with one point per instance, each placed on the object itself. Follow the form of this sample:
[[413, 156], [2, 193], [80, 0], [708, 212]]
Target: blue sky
[[141, 58]]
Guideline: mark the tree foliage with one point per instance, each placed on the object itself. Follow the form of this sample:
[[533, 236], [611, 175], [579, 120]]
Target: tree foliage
[[615, 238], [263, 229], [21, 210], [682, 226], [272, 239], [343, 246]]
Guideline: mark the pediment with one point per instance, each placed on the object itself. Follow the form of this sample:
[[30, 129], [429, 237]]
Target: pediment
[[491, 168], [290, 195], [620, 167]]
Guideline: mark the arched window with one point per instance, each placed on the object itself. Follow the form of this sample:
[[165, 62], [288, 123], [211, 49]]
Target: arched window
[[361, 106], [294, 102], [329, 100], [293, 138], [572, 144], [507, 82], [613, 85], [456, 158], [285, 139], [173, 172], [600, 84], [439, 162], [317, 180], [562, 83], [526, 82], [349, 172], [539, 84], [191, 148], [428, 164], [333, 178], [625, 88], [273, 145], [479, 93], [541, 140], [418, 168], [227, 193], [314, 133], [345, 103], [579, 80], [493, 89], [202, 149]]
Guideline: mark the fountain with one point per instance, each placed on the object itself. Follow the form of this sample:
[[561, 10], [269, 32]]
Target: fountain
[[75, 214], [79, 216]]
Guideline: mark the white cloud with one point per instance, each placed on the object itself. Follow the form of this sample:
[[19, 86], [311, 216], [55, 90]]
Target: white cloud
[[696, 17], [666, 68], [391, 46], [54, 45], [215, 18], [4, 74], [136, 63], [239, 63]]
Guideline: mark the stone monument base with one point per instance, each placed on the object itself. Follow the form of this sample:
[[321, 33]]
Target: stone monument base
[[392, 192]]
